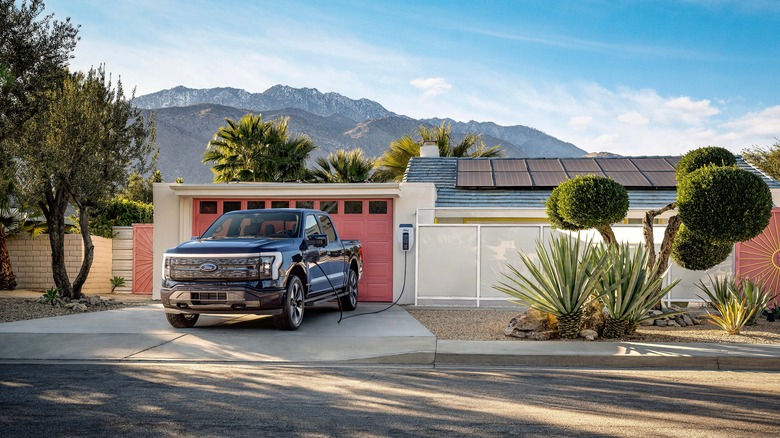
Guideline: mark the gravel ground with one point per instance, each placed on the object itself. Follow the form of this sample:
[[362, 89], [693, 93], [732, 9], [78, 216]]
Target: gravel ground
[[489, 325], [18, 309]]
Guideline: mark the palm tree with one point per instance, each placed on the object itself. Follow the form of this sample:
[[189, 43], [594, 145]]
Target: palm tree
[[392, 164], [344, 167], [253, 150]]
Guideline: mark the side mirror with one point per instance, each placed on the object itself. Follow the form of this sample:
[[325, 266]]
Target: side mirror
[[317, 240]]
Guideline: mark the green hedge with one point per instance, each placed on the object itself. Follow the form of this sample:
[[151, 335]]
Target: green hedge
[[706, 156], [552, 213], [116, 213], [724, 204], [696, 252], [591, 201]]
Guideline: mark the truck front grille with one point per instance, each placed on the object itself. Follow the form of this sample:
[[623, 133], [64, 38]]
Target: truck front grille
[[233, 268], [198, 298]]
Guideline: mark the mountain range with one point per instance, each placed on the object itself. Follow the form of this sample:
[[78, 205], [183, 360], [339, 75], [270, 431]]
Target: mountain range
[[188, 118]]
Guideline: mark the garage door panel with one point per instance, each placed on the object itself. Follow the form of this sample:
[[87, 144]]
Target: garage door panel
[[376, 250]]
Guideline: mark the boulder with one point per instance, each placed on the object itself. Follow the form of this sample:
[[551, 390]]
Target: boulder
[[527, 322], [589, 335]]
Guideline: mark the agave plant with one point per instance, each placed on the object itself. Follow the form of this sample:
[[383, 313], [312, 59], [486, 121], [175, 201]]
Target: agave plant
[[569, 276], [752, 294], [734, 314], [628, 292]]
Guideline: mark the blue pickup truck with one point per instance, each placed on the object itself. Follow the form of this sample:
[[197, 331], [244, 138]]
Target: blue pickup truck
[[262, 262]]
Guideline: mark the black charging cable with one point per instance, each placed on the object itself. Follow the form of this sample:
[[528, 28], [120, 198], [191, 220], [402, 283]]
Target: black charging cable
[[333, 289], [403, 287]]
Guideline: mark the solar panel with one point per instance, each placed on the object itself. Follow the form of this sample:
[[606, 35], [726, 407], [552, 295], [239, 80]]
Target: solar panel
[[629, 179], [503, 165], [673, 160], [616, 164], [545, 165], [513, 179], [474, 166], [647, 164], [580, 164], [576, 173], [548, 179], [662, 179], [475, 179]]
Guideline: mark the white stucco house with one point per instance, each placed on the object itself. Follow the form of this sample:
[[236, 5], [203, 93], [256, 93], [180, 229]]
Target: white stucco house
[[470, 217]]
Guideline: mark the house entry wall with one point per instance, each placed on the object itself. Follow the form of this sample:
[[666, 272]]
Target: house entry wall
[[367, 220], [759, 257], [143, 258]]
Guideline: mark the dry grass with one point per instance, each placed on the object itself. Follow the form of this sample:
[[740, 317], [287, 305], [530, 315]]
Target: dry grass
[[489, 325]]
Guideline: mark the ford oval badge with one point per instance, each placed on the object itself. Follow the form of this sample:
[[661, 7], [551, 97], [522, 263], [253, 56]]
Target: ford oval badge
[[208, 267]]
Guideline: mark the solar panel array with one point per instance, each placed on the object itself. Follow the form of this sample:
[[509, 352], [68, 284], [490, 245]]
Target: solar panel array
[[634, 172]]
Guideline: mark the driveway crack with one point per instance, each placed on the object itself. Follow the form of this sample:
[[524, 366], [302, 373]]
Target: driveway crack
[[154, 346]]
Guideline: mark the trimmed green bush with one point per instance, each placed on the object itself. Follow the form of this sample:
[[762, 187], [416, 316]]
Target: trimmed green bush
[[706, 156], [552, 213], [724, 204], [698, 253], [116, 213], [591, 201]]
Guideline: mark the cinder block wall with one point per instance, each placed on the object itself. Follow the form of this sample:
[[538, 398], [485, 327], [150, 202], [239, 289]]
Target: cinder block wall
[[31, 261]]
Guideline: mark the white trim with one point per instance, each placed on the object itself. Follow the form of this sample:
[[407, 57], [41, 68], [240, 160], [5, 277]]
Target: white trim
[[287, 190]]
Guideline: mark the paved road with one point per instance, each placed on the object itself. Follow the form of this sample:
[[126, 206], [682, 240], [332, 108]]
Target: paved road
[[91, 399]]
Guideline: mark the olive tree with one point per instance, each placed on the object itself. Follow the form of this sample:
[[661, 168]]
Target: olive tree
[[718, 204], [79, 151]]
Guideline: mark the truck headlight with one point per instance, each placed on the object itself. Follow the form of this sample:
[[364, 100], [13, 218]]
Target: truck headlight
[[266, 267]]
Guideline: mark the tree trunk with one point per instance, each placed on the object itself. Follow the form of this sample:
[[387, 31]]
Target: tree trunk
[[89, 251], [608, 235], [54, 211], [7, 276], [657, 264]]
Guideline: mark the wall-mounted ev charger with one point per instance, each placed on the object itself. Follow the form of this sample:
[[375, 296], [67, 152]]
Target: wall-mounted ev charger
[[405, 237]]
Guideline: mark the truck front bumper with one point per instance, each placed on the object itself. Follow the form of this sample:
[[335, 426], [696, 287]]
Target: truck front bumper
[[197, 299]]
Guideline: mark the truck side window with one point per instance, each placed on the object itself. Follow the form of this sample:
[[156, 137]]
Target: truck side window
[[328, 228], [312, 227]]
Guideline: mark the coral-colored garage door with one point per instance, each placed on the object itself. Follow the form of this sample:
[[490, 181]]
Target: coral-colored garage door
[[367, 220]]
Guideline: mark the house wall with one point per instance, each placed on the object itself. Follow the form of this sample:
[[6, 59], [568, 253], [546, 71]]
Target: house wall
[[173, 214], [31, 261], [122, 255]]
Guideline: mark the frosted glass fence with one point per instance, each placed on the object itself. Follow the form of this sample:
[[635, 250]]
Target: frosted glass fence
[[457, 265]]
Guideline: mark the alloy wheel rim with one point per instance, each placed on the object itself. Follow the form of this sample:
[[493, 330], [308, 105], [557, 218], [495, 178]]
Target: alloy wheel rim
[[296, 304], [353, 290]]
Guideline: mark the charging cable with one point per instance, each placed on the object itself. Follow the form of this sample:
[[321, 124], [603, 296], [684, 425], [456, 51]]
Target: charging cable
[[388, 307]]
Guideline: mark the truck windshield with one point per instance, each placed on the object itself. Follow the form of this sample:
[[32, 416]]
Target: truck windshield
[[254, 224]]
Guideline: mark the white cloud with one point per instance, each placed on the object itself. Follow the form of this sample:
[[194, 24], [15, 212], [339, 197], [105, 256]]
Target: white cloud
[[694, 107], [431, 86], [633, 118], [580, 123]]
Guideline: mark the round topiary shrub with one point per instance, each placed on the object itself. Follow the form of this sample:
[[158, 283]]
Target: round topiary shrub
[[554, 217], [591, 201], [707, 156], [697, 253], [725, 204]]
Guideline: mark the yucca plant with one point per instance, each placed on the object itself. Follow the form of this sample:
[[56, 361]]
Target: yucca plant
[[569, 275], [734, 314], [719, 292], [627, 291]]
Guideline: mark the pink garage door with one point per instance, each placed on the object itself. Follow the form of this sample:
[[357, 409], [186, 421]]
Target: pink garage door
[[759, 257], [143, 258], [367, 220]]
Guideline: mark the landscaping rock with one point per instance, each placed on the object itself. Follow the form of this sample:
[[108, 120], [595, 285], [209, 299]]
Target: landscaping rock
[[661, 322], [527, 322], [590, 335], [543, 336], [593, 317], [672, 324]]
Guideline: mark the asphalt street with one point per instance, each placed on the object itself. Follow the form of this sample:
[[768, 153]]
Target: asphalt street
[[189, 399]]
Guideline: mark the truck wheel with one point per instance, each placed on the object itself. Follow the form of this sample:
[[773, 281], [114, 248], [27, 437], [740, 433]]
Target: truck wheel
[[350, 300], [182, 320], [292, 311]]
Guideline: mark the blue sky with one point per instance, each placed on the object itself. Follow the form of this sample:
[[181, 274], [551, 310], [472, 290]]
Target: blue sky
[[630, 77]]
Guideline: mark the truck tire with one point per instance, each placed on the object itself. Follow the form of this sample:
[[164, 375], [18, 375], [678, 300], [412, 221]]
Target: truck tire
[[350, 300], [292, 310], [182, 320]]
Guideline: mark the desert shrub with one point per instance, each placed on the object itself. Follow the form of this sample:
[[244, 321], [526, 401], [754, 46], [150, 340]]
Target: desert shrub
[[725, 204], [568, 279], [591, 201], [702, 157], [118, 212], [695, 252], [739, 301]]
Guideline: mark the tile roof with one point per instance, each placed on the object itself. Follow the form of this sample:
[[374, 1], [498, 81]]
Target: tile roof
[[443, 171]]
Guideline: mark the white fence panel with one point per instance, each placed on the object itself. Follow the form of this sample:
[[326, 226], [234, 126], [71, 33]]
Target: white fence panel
[[447, 262]]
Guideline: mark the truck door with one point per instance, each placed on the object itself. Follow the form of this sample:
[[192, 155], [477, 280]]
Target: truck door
[[316, 258], [337, 258]]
